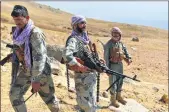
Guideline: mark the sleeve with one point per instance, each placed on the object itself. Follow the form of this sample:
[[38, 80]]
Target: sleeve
[[126, 52], [69, 51], [39, 55], [15, 68], [107, 54]]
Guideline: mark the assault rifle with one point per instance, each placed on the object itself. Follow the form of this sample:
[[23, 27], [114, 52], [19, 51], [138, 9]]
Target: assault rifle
[[15, 65], [93, 62], [7, 58]]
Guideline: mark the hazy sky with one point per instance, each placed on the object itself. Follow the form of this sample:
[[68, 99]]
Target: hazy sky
[[154, 13]]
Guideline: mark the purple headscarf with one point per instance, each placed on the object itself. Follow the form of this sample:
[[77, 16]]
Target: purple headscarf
[[82, 36], [23, 38]]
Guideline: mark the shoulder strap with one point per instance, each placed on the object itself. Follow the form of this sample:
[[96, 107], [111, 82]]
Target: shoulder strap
[[69, 39], [31, 46], [122, 45]]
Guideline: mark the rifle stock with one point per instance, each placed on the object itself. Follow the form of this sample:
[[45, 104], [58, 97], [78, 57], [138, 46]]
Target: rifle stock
[[3, 61]]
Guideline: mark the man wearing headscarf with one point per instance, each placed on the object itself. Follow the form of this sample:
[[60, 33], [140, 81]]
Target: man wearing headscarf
[[114, 52], [33, 67], [85, 79]]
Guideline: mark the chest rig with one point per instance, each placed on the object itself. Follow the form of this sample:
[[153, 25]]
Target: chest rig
[[116, 52]]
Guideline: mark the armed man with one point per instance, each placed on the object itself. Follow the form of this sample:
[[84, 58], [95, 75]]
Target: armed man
[[30, 63], [114, 53], [85, 79]]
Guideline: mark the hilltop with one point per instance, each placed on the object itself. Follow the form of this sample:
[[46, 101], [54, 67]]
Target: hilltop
[[49, 18]]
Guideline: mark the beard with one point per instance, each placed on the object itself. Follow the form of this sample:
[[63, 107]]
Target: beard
[[80, 30], [116, 38]]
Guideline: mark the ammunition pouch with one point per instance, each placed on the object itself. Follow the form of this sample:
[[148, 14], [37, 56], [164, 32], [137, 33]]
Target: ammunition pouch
[[116, 55]]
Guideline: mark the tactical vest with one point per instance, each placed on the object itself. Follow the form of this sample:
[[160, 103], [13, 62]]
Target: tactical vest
[[116, 53]]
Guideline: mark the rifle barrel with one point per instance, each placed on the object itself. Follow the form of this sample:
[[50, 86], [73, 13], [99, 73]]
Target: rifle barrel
[[3, 61], [120, 75]]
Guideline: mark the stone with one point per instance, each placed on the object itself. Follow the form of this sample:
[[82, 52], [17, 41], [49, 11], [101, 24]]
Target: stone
[[55, 66], [164, 99], [55, 51], [135, 39], [131, 106], [155, 89], [105, 94]]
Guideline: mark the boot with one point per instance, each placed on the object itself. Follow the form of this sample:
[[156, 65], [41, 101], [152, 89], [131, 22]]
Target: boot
[[120, 99], [113, 101]]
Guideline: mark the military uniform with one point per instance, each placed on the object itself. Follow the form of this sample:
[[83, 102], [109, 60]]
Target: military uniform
[[114, 53], [39, 72], [85, 83], [115, 64]]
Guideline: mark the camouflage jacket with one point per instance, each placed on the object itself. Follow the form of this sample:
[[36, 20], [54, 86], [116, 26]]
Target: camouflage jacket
[[39, 59], [74, 48]]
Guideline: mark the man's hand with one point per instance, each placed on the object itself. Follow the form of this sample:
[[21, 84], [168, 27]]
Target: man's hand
[[79, 68], [35, 86], [102, 61], [98, 69], [129, 61]]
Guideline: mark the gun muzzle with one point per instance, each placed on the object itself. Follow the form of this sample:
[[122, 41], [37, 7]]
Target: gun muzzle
[[135, 78]]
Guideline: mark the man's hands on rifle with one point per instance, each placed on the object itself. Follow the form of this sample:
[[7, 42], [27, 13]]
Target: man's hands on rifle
[[98, 68], [79, 68]]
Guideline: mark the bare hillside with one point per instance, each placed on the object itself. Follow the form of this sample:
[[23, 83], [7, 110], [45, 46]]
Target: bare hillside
[[54, 19]]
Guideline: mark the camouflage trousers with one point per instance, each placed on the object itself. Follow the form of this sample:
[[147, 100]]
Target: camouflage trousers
[[85, 84], [22, 84], [118, 67]]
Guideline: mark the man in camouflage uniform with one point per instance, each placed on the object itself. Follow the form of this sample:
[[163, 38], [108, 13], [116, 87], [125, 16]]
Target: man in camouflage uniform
[[85, 80], [30, 63], [114, 53]]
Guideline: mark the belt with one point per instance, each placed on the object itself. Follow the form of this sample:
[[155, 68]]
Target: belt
[[116, 62], [84, 72]]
